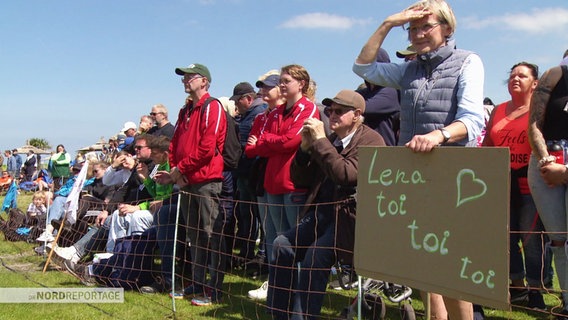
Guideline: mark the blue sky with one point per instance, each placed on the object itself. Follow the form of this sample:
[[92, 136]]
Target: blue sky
[[74, 71]]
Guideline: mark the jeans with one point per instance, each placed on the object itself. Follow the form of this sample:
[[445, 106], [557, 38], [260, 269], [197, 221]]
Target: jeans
[[57, 209], [525, 218], [200, 209], [165, 222], [129, 224], [551, 205], [283, 212], [248, 220], [311, 245]]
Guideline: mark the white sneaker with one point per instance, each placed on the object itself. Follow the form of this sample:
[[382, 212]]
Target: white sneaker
[[260, 293], [65, 253], [45, 237]]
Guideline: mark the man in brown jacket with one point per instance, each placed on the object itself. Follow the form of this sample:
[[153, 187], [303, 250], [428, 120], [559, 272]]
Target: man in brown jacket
[[326, 233]]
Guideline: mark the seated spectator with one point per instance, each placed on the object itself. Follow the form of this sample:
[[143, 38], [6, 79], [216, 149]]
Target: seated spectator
[[57, 209], [5, 180], [329, 167], [37, 210]]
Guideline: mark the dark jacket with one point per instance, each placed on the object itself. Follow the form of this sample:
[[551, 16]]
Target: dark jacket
[[332, 177]]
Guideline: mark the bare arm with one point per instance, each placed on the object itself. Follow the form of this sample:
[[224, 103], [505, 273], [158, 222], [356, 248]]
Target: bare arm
[[369, 51], [537, 110]]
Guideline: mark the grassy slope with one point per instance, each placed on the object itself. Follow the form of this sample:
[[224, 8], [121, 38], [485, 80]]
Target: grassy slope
[[20, 267]]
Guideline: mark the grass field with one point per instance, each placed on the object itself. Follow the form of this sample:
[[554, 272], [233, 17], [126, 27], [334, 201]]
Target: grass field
[[21, 267]]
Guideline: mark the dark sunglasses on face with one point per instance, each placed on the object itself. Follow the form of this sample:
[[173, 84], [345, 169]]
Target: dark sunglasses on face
[[338, 111], [155, 113], [139, 147]]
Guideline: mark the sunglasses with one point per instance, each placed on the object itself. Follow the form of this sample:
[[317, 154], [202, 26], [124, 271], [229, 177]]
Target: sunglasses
[[328, 111], [140, 147], [155, 113]]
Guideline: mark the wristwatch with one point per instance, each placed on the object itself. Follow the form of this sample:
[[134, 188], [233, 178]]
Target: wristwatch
[[445, 134]]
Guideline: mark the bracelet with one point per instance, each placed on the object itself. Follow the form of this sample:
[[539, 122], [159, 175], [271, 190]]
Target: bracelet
[[545, 160]]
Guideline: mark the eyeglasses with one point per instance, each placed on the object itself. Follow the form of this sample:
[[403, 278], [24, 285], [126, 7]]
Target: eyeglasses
[[189, 79], [425, 28], [95, 171], [328, 111], [140, 147], [156, 113]]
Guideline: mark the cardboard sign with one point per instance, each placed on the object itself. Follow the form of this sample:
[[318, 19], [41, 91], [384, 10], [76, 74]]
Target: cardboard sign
[[436, 221]]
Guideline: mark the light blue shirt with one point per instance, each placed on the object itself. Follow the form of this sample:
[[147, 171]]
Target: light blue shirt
[[469, 94]]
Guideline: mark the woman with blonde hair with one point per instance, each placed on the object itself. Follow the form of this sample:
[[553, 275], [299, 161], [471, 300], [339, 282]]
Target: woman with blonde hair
[[441, 94]]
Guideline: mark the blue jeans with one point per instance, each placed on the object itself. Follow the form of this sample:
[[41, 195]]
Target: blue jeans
[[283, 211], [525, 218], [200, 209], [310, 244], [551, 206], [57, 209]]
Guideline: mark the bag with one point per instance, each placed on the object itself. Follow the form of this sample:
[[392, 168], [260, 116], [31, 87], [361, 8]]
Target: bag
[[130, 266], [232, 150], [16, 220]]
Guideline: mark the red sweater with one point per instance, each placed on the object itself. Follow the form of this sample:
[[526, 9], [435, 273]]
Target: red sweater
[[279, 143], [199, 137]]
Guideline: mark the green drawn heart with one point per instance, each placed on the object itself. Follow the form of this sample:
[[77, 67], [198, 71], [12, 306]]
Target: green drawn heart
[[474, 180]]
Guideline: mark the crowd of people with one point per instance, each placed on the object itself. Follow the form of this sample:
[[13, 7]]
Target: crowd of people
[[294, 187]]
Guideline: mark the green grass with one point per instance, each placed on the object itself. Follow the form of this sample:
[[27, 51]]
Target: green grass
[[21, 267]]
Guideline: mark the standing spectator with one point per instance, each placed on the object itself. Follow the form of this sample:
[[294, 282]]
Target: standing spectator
[[445, 109], [548, 173], [197, 168], [30, 166], [270, 93], [329, 167], [383, 109], [19, 162], [248, 106], [279, 143], [11, 165], [146, 123], [59, 166], [507, 124], [129, 131], [163, 126]]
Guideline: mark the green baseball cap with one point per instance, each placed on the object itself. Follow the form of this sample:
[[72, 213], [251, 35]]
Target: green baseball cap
[[195, 68]]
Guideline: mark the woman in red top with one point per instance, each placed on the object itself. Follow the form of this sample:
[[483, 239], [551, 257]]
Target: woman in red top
[[507, 127], [279, 143]]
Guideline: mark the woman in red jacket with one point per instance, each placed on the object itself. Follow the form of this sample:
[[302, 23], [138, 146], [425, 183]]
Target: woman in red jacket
[[279, 143]]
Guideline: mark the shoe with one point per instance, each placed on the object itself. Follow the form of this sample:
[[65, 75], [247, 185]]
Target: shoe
[[45, 237], [153, 288], [536, 301], [201, 301], [518, 295], [257, 266], [81, 272], [260, 293], [65, 253], [193, 290], [176, 295], [40, 250]]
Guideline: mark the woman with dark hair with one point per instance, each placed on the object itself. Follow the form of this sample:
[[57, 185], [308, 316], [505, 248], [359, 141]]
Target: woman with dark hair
[[59, 166], [507, 127]]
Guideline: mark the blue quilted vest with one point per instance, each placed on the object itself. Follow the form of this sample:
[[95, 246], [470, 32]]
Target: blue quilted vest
[[429, 97]]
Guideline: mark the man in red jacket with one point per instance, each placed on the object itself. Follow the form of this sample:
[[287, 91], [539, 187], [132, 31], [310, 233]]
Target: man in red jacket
[[197, 167]]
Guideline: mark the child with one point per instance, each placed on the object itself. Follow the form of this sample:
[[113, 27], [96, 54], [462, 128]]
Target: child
[[37, 210]]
